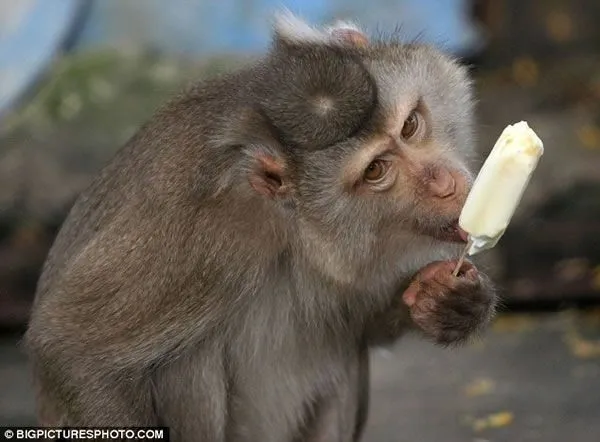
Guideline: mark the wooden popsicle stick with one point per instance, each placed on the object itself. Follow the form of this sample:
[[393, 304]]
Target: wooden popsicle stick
[[462, 257]]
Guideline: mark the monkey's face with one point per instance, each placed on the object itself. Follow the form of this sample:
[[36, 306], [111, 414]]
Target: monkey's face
[[399, 182], [418, 150], [383, 172], [405, 166]]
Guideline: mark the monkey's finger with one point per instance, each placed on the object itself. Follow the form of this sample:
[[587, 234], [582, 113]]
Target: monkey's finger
[[472, 274], [439, 278], [410, 294], [452, 283], [456, 284], [466, 266], [467, 271], [431, 269], [443, 270], [427, 273]]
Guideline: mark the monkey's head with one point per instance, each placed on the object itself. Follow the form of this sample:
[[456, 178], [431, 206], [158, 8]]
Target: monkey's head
[[367, 148]]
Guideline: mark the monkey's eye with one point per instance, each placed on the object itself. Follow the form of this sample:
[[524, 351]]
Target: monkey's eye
[[375, 171], [411, 124]]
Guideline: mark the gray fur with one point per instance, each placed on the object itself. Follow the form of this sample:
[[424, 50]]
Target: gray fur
[[177, 294]]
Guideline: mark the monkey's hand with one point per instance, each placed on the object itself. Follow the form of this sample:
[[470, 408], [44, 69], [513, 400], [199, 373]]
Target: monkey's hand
[[447, 308]]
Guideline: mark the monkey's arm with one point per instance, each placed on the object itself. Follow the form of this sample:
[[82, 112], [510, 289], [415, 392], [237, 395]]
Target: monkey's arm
[[445, 308]]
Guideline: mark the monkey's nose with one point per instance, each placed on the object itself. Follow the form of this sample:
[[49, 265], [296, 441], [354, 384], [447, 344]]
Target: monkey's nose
[[443, 184]]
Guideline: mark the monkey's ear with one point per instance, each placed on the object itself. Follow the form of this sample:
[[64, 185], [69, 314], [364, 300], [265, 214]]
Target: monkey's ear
[[268, 173], [290, 31], [264, 161]]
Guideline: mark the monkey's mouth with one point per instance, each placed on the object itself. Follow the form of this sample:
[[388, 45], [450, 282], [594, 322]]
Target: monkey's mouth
[[453, 233], [450, 232]]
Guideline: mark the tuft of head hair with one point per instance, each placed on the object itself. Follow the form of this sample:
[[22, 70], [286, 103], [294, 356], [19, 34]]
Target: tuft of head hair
[[291, 30]]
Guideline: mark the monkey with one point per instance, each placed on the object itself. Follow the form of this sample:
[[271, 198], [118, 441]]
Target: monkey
[[227, 272]]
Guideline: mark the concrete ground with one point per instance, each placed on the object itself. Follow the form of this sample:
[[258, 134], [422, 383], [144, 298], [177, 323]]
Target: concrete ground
[[532, 378]]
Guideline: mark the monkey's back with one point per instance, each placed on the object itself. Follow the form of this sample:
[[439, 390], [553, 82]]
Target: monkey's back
[[153, 167]]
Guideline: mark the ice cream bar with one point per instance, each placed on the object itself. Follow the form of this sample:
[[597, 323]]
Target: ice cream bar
[[499, 186]]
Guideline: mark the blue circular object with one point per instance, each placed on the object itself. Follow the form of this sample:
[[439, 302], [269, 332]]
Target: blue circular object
[[32, 32]]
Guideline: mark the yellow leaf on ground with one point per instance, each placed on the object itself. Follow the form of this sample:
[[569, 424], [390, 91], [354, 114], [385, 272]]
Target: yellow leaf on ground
[[496, 420], [502, 419], [479, 387]]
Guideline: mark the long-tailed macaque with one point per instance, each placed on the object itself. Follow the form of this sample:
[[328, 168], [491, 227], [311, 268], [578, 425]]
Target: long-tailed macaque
[[227, 272]]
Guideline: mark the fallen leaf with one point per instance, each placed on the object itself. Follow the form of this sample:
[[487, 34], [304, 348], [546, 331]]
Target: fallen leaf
[[502, 419], [479, 387], [495, 420]]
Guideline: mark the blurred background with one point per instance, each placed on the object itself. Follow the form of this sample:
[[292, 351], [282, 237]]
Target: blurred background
[[77, 77]]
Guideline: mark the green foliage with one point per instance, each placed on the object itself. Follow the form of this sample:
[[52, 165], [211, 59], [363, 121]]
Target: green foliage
[[110, 89]]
